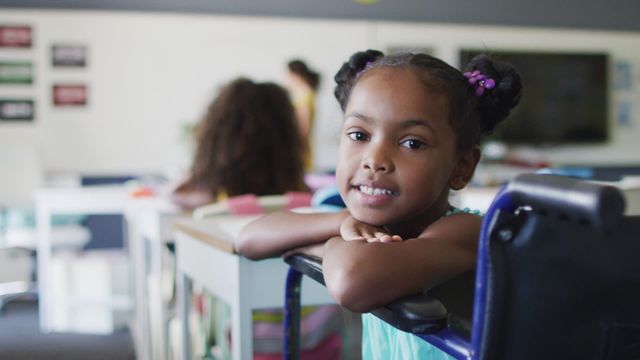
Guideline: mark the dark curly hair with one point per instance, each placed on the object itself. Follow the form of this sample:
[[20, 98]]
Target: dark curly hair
[[472, 116], [301, 69], [248, 142]]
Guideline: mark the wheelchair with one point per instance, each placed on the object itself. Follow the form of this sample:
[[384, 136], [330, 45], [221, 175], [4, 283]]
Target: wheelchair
[[557, 277]]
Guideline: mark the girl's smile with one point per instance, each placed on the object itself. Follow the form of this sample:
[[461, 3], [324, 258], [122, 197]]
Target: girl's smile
[[373, 195]]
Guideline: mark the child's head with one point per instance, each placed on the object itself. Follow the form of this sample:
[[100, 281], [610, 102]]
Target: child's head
[[302, 73], [412, 129], [248, 142]]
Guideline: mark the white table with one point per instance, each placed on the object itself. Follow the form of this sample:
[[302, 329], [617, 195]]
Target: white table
[[205, 253], [59, 201], [149, 228]]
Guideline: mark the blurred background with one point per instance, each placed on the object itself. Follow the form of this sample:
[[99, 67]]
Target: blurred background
[[108, 92]]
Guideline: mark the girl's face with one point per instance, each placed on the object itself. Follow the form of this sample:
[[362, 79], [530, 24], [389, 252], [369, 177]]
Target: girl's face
[[397, 151]]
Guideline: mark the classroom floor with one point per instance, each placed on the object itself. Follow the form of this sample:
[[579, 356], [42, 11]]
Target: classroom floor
[[20, 339]]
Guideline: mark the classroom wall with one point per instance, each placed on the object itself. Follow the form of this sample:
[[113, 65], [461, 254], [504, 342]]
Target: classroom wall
[[149, 74]]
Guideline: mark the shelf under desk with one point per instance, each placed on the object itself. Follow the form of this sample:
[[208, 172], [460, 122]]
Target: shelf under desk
[[205, 253]]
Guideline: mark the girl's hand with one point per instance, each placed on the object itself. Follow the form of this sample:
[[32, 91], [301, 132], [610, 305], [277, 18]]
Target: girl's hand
[[352, 229], [316, 250]]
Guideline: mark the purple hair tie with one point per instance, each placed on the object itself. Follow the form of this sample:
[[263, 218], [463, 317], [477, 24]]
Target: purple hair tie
[[480, 81], [368, 65]]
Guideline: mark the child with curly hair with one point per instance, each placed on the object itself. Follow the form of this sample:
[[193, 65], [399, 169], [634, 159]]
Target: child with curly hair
[[247, 142]]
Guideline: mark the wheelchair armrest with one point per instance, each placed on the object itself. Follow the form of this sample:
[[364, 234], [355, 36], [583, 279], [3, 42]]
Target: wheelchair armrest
[[579, 200], [307, 265], [419, 314]]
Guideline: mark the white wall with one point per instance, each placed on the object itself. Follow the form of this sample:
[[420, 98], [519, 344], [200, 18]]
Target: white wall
[[149, 73]]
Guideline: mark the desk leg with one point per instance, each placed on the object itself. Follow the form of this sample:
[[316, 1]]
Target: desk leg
[[157, 305], [184, 306], [136, 246], [241, 313], [242, 330], [43, 221]]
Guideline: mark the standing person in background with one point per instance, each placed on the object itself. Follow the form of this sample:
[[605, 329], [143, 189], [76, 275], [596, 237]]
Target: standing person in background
[[247, 143], [303, 84]]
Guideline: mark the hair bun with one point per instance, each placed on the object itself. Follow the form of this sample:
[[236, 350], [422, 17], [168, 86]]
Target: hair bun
[[301, 69], [348, 72], [495, 105]]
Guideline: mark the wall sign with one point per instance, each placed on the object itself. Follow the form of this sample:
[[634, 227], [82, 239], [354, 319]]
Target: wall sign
[[69, 55], [16, 110], [69, 95], [16, 72], [15, 36]]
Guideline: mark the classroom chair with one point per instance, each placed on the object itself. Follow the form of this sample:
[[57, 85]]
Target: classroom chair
[[557, 277]]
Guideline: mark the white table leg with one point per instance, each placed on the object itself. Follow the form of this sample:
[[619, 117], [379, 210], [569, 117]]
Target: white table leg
[[43, 221], [184, 307], [241, 330], [136, 247], [156, 299]]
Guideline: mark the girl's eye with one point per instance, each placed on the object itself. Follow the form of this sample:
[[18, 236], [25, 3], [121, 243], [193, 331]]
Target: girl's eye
[[357, 136], [412, 144]]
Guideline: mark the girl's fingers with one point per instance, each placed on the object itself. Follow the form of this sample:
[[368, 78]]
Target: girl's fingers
[[349, 235], [380, 234], [385, 238], [367, 234], [352, 234], [356, 238]]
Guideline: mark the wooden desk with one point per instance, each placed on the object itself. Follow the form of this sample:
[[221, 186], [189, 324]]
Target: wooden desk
[[205, 253]]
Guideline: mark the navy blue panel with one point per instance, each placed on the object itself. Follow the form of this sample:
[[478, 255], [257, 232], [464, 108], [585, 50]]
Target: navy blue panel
[[107, 231]]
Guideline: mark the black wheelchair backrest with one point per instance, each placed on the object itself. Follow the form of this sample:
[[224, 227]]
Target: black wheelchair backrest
[[562, 273]]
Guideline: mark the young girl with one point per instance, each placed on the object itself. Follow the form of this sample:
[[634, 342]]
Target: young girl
[[411, 132], [247, 142]]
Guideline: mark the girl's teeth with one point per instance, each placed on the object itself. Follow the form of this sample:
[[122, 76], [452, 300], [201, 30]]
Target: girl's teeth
[[374, 191]]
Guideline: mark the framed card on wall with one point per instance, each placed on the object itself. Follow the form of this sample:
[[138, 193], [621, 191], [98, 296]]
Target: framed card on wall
[[16, 110], [68, 55], [15, 36], [69, 94], [16, 72]]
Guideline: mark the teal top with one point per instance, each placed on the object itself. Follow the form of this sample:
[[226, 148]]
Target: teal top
[[382, 341]]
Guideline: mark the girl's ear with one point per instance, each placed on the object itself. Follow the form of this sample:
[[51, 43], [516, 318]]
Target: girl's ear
[[463, 171]]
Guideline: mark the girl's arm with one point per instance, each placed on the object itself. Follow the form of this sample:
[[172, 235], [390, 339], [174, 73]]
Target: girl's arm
[[363, 276], [275, 233]]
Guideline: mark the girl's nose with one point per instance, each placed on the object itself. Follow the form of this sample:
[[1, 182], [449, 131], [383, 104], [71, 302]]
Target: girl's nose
[[377, 158]]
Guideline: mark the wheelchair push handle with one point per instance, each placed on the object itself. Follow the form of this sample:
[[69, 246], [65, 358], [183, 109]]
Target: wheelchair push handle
[[602, 206]]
